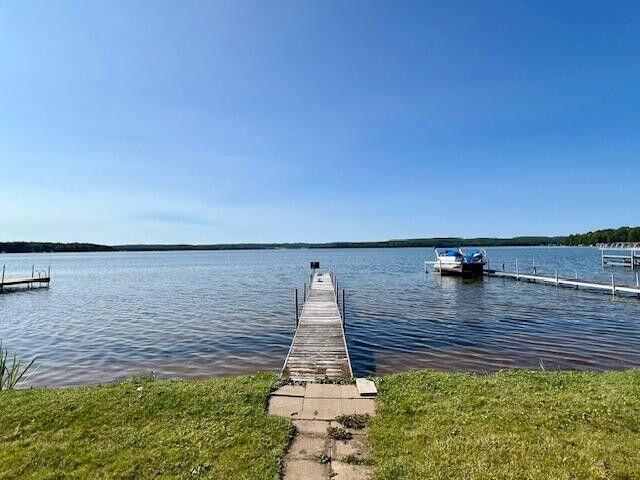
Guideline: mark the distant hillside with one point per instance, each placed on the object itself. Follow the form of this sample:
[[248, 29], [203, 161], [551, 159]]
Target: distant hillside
[[36, 247], [609, 235]]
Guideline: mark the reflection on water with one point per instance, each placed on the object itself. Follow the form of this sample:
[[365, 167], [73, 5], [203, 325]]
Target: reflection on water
[[198, 314]]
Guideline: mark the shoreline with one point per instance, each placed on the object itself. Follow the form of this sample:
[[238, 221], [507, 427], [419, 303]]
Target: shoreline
[[536, 424]]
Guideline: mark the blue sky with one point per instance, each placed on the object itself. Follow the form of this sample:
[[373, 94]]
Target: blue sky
[[208, 122]]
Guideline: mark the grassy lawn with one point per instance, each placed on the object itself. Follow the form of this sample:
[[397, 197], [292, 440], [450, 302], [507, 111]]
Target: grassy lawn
[[510, 425], [166, 429]]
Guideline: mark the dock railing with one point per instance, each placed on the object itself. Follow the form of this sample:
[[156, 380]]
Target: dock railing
[[621, 254]]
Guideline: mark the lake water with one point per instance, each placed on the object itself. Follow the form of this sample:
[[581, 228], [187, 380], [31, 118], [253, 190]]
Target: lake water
[[200, 314]]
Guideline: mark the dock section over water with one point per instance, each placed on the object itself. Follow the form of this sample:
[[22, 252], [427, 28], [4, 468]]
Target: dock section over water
[[38, 278], [612, 287], [319, 346], [624, 254]]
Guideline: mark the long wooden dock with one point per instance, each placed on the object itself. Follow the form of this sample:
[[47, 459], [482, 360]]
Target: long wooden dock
[[37, 278], [319, 346], [612, 287]]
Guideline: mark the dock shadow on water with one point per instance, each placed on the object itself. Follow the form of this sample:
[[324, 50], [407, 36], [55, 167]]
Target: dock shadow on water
[[199, 314]]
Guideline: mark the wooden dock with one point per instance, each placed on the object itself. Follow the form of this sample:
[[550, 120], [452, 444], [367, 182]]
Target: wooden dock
[[37, 279], [607, 287], [319, 346]]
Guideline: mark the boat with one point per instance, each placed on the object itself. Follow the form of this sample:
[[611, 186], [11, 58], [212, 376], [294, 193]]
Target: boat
[[455, 261]]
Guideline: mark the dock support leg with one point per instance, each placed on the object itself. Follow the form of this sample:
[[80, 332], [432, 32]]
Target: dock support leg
[[343, 308], [295, 295], [613, 286], [517, 270], [576, 279], [2, 282]]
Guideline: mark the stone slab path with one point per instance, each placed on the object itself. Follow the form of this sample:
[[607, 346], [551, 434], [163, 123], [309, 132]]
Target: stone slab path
[[313, 409]]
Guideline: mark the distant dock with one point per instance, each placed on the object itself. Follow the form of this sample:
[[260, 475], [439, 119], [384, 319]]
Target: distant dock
[[38, 278], [319, 346], [622, 254], [577, 283]]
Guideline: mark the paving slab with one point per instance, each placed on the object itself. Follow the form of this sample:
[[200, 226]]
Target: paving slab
[[359, 405], [321, 408], [349, 391], [344, 471], [290, 407], [290, 391], [323, 390], [311, 427], [306, 446], [356, 446], [305, 470]]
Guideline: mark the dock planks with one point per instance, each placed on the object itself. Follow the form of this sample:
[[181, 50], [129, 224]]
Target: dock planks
[[319, 347]]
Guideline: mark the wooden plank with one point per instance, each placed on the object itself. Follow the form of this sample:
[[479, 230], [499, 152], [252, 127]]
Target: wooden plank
[[366, 387], [319, 347]]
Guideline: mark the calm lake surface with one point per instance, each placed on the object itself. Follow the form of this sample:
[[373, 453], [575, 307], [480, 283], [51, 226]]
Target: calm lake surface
[[199, 314]]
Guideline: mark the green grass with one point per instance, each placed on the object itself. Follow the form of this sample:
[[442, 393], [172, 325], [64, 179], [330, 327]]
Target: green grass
[[168, 429], [510, 425]]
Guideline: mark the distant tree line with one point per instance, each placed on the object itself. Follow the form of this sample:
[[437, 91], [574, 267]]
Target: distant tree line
[[608, 235], [38, 247]]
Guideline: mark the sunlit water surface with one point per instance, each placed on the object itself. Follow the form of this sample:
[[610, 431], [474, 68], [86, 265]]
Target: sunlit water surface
[[200, 314]]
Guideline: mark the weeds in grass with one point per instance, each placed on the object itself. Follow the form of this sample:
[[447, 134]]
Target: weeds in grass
[[357, 421], [281, 382], [334, 380], [352, 459], [339, 433], [10, 371], [322, 458], [143, 377]]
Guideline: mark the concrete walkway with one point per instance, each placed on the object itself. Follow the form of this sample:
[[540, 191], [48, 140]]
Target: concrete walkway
[[313, 409]]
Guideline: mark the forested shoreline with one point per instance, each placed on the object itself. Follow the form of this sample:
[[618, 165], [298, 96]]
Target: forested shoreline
[[623, 234]]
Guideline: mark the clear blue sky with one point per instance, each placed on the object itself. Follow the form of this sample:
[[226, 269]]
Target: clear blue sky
[[209, 122]]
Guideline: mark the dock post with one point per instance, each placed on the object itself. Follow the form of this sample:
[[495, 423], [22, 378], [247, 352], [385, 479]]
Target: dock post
[[517, 270], [503, 266], [576, 279], [613, 286], [2, 282], [304, 292], [557, 277], [602, 254], [295, 295], [343, 308]]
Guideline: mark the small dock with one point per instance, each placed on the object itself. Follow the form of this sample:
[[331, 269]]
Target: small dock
[[319, 346], [612, 287], [622, 254], [38, 278]]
